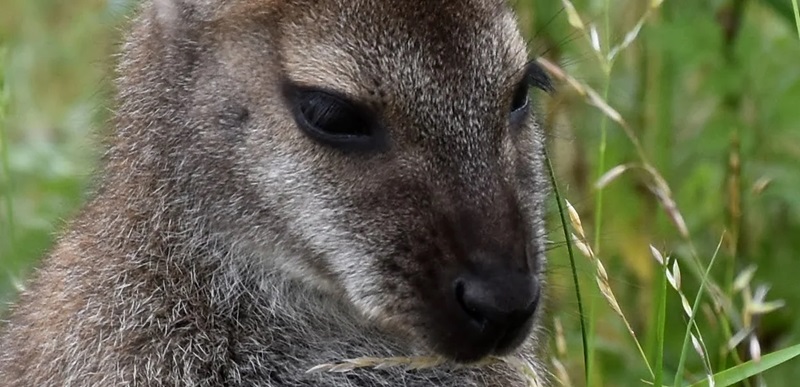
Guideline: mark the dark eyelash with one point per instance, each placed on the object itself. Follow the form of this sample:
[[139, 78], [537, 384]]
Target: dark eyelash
[[537, 77], [333, 119]]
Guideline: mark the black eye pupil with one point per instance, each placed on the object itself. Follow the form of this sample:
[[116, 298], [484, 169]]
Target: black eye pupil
[[520, 100], [331, 115], [332, 119]]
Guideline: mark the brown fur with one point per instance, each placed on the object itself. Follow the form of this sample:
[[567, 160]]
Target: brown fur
[[225, 247]]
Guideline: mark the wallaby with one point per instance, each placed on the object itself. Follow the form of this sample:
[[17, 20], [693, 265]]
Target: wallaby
[[298, 182]]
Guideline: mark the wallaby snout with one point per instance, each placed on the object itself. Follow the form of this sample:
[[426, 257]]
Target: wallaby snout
[[486, 279]]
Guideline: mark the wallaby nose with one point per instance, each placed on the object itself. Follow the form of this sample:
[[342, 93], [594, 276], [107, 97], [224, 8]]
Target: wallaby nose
[[500, 307], [485, 306]]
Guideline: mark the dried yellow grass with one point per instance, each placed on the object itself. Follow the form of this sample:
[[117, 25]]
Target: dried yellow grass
[[674, 278], [561, 373], [427, 362], [754, 304], [601, 278]]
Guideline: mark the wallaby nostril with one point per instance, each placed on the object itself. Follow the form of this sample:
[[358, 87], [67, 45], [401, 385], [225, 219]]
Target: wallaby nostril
[[468, 307], [495, 306]]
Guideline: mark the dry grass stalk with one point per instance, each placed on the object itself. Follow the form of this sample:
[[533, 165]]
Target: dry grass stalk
[[760, 185], [674, 279], [410, 363], [561, 372], [593, 36], [601, 277], [586, 91], [663, 194], [561, 341], [561, 353], [724, 307], [659, 186], [671, 209], [610, 176], [631, 36], [575, 220], [426, 362], [754, 307], [572, 15]]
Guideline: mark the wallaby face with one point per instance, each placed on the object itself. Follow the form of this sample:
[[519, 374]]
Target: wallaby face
[[394, 143], [382, 153]]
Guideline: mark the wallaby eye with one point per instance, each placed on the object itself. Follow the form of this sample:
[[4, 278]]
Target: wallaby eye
[[331, 115], [521, 99], [520, 102], [534, 76], [330, 118]]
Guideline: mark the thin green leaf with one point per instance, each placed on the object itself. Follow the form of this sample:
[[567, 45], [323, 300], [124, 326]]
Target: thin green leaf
[[581, 314], [690, 323], [783, 8], [5, 164], [661, 312], [796, 16], [752, 367]]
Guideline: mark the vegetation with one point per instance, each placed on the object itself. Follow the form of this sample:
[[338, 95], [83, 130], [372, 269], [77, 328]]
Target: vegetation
[[675, 141]]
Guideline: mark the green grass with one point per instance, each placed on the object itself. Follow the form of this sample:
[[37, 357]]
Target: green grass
[[581, 313], [707, 125], [796, 10], [693, 110]]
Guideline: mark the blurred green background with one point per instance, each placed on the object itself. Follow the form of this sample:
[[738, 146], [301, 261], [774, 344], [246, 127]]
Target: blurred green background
[[710, 88]]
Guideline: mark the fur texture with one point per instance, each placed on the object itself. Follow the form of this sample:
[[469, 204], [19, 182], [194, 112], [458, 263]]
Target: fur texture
[[224, 247]]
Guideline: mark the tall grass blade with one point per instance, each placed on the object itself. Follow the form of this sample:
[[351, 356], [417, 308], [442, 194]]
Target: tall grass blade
[[5, 101], [568, 240], [782, 8], [661, 314], [796, 16], [752, 367], [691, 322]]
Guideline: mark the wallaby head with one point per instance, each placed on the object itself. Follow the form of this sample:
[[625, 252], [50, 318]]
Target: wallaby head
[[292, 182], [381, 150]]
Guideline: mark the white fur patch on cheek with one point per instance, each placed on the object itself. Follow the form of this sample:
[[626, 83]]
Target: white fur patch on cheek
[[312, 214], [319, 224]]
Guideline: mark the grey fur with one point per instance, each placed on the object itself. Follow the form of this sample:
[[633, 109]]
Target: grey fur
[[225, 248]]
